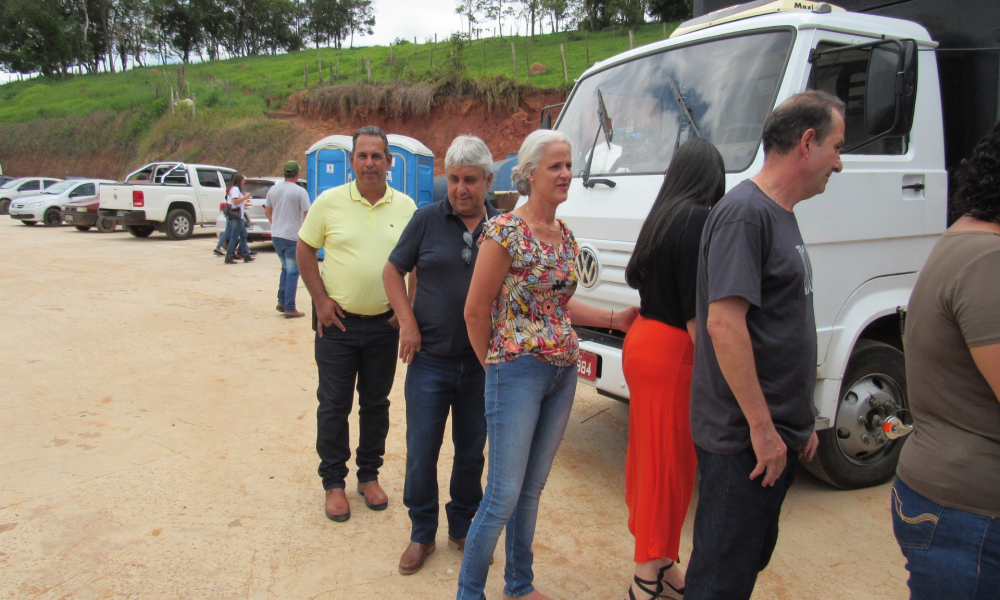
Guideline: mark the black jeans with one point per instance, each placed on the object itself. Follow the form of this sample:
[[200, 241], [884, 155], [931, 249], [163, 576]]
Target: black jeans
[[365, 354], [735, 526], [435, 386]]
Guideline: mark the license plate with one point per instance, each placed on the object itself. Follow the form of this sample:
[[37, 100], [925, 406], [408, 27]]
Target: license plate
[[68, 217], [586, 367]]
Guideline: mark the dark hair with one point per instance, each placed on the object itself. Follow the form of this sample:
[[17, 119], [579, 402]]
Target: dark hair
[[978, 180], [236, 181], [813, 109], [372, 131], [696, 177]]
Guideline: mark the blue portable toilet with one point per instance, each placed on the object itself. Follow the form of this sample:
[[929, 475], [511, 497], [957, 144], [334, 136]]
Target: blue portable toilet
[[412, 170], [328, 164]]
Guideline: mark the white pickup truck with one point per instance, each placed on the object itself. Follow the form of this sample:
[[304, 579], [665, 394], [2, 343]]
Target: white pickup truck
[[909, 124], [168, 197]]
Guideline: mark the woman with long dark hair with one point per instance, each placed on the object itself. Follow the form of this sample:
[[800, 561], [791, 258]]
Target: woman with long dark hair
[[658, 356], [236, 203]]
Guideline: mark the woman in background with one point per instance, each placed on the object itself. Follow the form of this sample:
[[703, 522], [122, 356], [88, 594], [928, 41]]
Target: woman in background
[[657, 359], [236, 204]]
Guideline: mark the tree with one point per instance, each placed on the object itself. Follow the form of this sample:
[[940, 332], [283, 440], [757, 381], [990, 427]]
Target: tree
[[183, 28], [671, 10]]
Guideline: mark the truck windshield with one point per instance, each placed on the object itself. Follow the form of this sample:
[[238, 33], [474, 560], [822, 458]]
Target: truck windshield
[[60, 187], [728, 85]]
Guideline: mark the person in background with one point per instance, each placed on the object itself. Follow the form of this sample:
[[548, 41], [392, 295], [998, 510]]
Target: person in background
[[657, 359], [518, 317], [946, 498], [357, 225], [286, 206], [755, 357], [236, 203], [438, 248]]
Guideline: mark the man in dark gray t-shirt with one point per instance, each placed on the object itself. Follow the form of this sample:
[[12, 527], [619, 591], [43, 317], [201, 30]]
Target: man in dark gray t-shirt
[[755, 351]]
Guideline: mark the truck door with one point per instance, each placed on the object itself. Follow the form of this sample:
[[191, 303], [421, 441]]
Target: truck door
[[211, 194], [872, 220]]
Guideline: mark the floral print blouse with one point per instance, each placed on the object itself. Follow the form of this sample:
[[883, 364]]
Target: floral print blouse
[[529, 314]]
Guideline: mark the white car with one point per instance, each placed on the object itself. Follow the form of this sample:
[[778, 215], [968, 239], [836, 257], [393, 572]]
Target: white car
[[18, 188], [46, 205], [260, 228]]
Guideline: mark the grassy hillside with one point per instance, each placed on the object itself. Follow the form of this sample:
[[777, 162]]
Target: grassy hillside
[[126, 116]]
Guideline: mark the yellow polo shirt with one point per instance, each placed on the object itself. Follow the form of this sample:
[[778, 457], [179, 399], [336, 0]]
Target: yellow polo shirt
[[356, 238]]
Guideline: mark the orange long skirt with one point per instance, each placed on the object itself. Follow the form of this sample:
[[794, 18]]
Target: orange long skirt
[[659, 467]]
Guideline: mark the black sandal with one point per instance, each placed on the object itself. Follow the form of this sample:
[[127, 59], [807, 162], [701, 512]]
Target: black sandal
[[642, 583], [667, 590]]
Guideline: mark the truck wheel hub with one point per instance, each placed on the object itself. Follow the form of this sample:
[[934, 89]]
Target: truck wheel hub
[[860, 415]]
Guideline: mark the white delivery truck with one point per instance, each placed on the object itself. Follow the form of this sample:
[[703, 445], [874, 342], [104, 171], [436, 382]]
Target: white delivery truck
[[169, 197], [868, 235]]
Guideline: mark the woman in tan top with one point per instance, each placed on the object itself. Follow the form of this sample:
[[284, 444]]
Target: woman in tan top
[[946, 499]]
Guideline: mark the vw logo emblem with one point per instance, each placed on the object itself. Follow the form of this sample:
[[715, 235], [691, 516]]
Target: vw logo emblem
[[587, 267]]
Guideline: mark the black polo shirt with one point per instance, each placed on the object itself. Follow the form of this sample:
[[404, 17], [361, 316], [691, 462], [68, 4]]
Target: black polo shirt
[[432, 242]]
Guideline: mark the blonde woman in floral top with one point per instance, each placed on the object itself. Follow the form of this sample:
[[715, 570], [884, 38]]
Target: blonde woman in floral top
[[519, 313]]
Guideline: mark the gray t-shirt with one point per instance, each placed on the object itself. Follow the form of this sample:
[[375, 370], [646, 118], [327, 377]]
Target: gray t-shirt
[[288, 203], [751, 247]]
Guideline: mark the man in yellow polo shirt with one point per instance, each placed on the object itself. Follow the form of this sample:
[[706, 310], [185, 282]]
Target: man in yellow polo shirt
[[357, 338]]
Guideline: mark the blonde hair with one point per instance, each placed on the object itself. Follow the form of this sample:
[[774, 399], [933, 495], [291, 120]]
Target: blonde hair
[[530, 153]]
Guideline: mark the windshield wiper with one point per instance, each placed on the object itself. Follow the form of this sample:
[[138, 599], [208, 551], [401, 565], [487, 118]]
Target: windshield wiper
[[679, 99], [603, 125]]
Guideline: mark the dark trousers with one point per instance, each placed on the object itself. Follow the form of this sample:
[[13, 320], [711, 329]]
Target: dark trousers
[[735, 525], [435, 386], [365, 355]]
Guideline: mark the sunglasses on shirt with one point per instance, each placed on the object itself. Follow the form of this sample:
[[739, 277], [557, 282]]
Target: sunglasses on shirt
[[467, 251]]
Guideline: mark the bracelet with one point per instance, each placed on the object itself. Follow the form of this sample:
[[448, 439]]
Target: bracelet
[[611, 320]]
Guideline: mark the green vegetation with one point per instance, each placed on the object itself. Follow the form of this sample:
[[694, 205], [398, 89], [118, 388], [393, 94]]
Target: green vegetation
[[252, 79]]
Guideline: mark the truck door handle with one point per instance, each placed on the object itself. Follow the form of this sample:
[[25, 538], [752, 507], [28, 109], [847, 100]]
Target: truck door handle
[[917, 187]]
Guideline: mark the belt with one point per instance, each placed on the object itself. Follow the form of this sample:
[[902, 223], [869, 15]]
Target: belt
[[386, 314]]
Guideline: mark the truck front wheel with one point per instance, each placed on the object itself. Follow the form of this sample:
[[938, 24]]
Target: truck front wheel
[[53, 218], [179, 225], [140, 231], [855, 452]]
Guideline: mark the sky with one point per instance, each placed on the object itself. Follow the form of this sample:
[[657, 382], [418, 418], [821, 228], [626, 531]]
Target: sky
[[403, 19]]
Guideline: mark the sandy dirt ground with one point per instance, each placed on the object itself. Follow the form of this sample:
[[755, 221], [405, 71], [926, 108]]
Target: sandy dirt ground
[[157, 426]]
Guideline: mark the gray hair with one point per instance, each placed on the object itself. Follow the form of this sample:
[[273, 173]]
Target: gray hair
[[531, 152], [469, 151], [373, 131]]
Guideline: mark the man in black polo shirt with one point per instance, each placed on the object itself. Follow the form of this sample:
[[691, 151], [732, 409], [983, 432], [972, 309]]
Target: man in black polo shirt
[[444, 374]]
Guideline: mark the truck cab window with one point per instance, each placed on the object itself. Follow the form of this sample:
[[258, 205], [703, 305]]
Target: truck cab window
[[726, 86], [209, 178], [87, 189], [844, 74]]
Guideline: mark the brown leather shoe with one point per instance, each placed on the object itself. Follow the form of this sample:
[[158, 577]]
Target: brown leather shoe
[[414, 556], [375, 498], [337, 507], [294, 314]]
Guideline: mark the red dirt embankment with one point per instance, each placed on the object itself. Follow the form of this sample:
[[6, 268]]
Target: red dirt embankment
[[502, 130]]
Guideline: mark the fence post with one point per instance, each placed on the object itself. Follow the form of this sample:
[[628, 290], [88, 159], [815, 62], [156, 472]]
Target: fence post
[[562, 52], [319, 66], [631, 39], [180, 80], [338, 68], [513, 56], [269, 98], [194, 105], [229, 95], [414, 44], [171, 100]]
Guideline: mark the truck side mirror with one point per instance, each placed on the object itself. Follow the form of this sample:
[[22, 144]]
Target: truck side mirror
[[546, 120], [891, 88]]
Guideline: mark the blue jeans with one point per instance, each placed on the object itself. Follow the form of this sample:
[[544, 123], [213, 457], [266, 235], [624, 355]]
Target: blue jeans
[[735, 525], [224, 239], [949, 553], [436, 385], [237, 233], [528, 402], [288, 283], [363, 356]]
